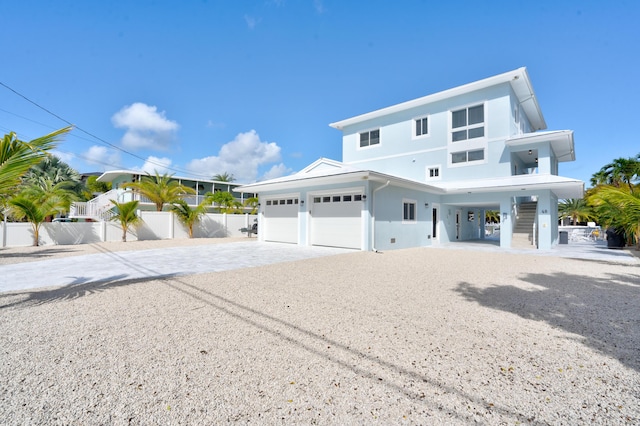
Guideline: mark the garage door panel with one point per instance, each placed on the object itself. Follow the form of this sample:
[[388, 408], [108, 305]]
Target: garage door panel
[[337, 223], [281, 222]]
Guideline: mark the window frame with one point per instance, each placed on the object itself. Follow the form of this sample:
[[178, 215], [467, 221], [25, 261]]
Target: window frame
[[408, 207], [414, 127], [466, 154], [368, 133], [466, 128], [437, 168]]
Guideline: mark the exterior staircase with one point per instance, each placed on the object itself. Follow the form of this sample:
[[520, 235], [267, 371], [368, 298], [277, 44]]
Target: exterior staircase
[[99, 208], [523, 235]]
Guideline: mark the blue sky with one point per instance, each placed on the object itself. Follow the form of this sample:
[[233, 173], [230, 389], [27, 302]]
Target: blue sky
[[247, 87]]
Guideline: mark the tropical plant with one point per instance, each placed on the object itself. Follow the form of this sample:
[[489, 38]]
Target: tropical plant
[[252, 203], [16, 157], [54, 169], [44, 191], [126, 215], [188, 216], [575, 208], [224, 177], [492, 216], [95, 187], [620, 206], [36, 204], [621, 171], [160, 189], [223, 199]]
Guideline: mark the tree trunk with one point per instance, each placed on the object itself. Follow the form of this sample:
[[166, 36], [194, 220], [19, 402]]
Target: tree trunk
[[124, 234]]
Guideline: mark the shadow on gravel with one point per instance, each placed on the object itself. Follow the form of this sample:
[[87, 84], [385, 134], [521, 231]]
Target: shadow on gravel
[[603, 311], [72, 291], [37, 254]]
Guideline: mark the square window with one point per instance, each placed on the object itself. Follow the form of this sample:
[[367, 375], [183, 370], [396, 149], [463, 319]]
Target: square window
[[282, 202], [268, 202], [357, 197], [434, 172], [289, 201], [370, 138], [316, 199], [467, 123], [346, 198], [336, 198], [326, 199]]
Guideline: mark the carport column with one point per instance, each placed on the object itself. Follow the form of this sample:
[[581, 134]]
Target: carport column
[[103, 231], [506, 222], [545, 226]]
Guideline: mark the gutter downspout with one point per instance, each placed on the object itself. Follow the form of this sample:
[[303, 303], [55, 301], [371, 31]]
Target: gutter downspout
[[373, 218]]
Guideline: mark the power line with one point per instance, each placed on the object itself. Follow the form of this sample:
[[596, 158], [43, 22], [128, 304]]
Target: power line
[[98, 138]]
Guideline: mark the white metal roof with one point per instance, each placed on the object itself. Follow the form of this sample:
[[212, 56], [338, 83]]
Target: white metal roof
[[563, 187], [519, 80], [561, 142]]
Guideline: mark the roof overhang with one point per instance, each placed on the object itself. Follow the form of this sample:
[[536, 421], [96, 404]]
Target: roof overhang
[[561, 142], [341, 174], [561, 186], [110, 175], [518, 79]]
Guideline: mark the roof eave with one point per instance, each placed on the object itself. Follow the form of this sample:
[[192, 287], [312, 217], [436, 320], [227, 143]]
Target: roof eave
[[519, 80]]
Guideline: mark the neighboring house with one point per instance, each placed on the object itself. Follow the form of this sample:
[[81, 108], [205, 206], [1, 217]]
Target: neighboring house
[[425, 171], [96, 208]]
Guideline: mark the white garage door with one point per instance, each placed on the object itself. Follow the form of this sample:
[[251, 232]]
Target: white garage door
[[281, 220], [336, 220]]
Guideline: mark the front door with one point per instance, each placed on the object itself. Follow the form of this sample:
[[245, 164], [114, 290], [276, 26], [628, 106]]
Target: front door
[[434, 222]]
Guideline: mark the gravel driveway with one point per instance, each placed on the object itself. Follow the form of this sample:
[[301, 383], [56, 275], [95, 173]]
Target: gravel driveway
[[417, 336]]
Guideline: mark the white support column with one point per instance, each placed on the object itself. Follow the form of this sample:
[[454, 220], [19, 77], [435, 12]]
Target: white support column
[[506, 222]]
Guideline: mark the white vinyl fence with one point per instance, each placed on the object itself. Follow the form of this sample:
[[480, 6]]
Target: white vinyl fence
[[155, 226]]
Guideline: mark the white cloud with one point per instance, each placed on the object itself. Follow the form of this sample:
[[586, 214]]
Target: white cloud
[[145, 127], [277, 171], [241, 157], [102, 156], [156, 164]]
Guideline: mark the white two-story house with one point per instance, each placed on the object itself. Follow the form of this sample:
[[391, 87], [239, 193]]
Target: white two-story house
[[425, 171]]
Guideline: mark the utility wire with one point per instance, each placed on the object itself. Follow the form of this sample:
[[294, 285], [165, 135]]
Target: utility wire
[[96, 137]]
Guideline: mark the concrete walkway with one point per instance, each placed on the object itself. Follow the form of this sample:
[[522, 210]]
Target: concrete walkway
[[153, 263], [175, 261], [585, 250]]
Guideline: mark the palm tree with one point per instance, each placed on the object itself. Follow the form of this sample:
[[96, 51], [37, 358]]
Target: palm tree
[[188, 216], [492, 216], [224, 177], [16, 157], [160, 190], [621, 171], [36, 204], [223, 199], [575, 208], [126, 215], [253, 203], [44, 190], [622, 206]]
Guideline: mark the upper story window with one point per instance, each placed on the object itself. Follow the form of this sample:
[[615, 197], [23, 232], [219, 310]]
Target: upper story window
[[421, 126], [467, 123], [467, 156], [369, 138]]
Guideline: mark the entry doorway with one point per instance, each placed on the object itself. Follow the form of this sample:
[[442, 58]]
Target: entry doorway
[[458, 214], [435, 222]]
